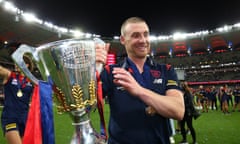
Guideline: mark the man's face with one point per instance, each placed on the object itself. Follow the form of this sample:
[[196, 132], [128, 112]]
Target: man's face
[[136, 40]]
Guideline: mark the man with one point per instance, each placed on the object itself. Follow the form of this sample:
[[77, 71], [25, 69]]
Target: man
[[142, 94]]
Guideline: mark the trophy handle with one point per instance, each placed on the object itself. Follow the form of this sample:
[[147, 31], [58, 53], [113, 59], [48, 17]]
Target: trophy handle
[[17, 57]]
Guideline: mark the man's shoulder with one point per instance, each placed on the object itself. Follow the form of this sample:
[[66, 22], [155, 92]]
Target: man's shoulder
[[109, 68], [163, 66]]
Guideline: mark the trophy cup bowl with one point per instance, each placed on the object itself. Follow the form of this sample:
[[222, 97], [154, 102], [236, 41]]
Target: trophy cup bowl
[[70, 64]]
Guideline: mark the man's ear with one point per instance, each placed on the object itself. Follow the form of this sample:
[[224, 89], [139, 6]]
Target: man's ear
[[122, 39]]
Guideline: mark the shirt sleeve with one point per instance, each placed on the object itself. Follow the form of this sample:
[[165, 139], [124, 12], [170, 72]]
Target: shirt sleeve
[[172, 79]]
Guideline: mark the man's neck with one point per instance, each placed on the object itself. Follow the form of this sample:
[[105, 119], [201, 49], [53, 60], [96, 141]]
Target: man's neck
[[139, 62]]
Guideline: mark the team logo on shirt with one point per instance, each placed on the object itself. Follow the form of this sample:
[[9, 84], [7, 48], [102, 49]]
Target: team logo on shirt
[[155, 73], [157, 81], [120, 88]]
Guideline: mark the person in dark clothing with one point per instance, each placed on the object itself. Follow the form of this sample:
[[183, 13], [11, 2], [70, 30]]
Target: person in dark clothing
[[142, 93], [17, 96], [188, 115]]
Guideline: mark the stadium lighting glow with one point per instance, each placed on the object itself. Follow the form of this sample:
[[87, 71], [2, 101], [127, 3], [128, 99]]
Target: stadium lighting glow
[[153, 38], [225, 28], [9, 6], [237, 25], [76, 33], [30, 17], [116, 37], [48, 24], [163, 37], [177, 36]]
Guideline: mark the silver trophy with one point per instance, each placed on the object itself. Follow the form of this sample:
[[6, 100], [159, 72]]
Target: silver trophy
[[71, 66]]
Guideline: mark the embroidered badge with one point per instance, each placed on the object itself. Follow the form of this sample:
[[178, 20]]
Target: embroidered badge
[[168, 66], [157, 81], [155, 73]]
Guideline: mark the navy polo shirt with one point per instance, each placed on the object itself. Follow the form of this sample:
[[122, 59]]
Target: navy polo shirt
[[129, 123]]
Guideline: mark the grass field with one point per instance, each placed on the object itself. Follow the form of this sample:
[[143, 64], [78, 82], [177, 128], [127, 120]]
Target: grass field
[[211, 128]]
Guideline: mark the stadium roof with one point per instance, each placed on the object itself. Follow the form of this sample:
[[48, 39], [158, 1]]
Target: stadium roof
[[15, 30]]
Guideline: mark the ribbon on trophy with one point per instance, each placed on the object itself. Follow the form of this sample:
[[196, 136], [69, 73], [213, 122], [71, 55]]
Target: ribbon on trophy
[[100, 105], [40, 125]]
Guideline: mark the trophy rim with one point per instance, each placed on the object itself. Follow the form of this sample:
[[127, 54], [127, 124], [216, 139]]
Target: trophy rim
[[53, 43]]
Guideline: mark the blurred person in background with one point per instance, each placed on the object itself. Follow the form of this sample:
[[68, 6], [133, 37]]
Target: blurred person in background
[[203, 98], [236, 94], [17, 95], [224, 99], [213, 98], [173, 131], [228, 91], [188, 115]]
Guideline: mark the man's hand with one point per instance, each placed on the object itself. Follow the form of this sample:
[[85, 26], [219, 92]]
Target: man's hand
[[101, 55], [124, 78]]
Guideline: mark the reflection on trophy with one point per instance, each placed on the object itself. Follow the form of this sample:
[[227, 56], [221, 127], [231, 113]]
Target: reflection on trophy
[[70, 64]]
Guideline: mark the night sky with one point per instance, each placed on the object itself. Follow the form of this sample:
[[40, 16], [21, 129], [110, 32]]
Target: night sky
[[164, 17]]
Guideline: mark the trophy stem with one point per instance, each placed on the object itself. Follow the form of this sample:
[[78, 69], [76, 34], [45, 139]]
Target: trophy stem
[[84, 132]]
